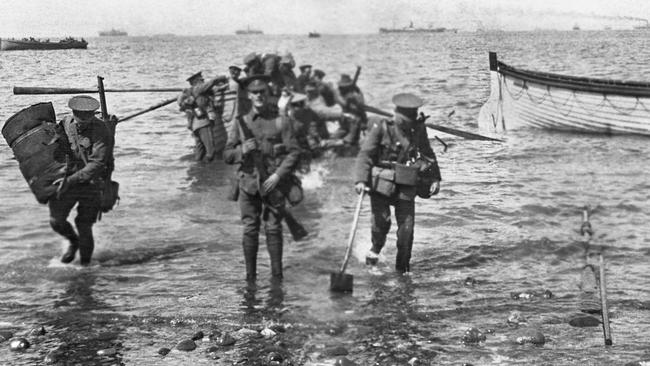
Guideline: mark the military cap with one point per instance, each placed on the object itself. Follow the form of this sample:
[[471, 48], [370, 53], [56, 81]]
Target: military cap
[[320, 73], [303, 67], [197, 75], [234, 67], [297, 98], [255, 82], [250, 58], [83, 103], [407, 100], [346, 80]]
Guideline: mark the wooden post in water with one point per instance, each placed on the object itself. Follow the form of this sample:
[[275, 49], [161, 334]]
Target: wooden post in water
[[603, 300], [102, 98]]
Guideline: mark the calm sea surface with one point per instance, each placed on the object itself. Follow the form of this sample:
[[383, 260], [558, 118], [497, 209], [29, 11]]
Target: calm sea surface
[[168, 260]]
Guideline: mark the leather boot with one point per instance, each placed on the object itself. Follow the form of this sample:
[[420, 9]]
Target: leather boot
[[69, 254]]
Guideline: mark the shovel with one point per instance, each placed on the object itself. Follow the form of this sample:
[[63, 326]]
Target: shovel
[[340, 281]]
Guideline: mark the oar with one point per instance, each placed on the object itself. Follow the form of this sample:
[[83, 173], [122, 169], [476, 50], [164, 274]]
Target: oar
[[340, 281], [154, 107], [449, 130], [47, 90]]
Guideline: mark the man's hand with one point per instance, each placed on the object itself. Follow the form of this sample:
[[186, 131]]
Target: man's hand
[[435, 188], [360, 187], [270, 183], [248, 146], [63, 186]]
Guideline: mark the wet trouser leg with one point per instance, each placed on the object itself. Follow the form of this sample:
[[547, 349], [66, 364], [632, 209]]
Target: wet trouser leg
[[87, 212], [273, 231], [352, 137], [219, 136], [405, 214], [59, 210], [251, 210], [199, 148], [380, 221], [206, 138]]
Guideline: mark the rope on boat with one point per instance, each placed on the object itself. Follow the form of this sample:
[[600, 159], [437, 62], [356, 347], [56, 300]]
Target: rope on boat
[[548, 95]]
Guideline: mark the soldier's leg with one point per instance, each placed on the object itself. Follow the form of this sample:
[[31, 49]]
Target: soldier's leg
[[380, 224], [352, 136], [199, 148], [251, 210], [59, 211], [207, 140], [220, 136], [274, 244], [405, 215], [87, 212]]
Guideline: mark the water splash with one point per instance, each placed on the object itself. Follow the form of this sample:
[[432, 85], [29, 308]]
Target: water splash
[[315, 178]]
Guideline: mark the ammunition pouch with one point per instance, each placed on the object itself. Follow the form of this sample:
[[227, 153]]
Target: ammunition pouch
[[108, 195], [382, 181], [406, 174]]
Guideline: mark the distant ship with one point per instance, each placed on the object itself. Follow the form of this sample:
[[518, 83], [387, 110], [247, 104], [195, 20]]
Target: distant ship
[[314, 35], [645, 26], [113, 33], [576, 27], [412, 29], [248, 30]]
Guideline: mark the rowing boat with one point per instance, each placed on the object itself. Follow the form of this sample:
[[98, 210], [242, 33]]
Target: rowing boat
[[520, 98], [35, 44]]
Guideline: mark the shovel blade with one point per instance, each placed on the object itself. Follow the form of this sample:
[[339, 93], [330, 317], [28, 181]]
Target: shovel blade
[[341, 282]]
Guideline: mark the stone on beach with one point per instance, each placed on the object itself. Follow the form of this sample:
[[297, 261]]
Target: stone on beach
[[336, 351], [225, 340], [163, 351], [19, 345], [583, 321], [197, 336], [186, 345], [516, 318], [473, 336], [344, 361], [530, 335], [267, 333], [107, 352]]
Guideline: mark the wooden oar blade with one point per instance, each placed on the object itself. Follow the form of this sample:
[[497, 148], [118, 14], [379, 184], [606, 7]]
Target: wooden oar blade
[[463, 134]]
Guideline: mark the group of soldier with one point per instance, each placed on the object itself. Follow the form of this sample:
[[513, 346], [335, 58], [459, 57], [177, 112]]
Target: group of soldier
[[276, 117], [307, 99]]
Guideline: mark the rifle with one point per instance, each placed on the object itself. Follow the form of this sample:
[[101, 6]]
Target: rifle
[[297, 230]]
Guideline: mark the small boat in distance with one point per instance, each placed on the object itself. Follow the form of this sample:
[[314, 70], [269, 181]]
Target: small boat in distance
[[412, 29], [113, 33], [314, 35], [576, 27], [520, 98], [37, 44], [248, 31]]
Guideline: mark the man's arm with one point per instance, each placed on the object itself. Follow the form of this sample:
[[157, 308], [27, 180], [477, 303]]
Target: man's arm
[[367, 154], [232, 153], [291, 143]]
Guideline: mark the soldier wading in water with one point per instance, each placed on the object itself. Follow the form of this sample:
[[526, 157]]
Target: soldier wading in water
[[89, 165], [265, 147], [396, 163]]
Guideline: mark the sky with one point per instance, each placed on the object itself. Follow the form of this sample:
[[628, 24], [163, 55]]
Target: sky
[[50, 18]]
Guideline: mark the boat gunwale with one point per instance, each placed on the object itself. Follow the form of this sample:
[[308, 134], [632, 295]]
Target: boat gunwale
[[575, 83]]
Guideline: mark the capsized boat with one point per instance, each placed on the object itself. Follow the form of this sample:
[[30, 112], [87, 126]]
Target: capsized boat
[[566, 103], [37, 44]]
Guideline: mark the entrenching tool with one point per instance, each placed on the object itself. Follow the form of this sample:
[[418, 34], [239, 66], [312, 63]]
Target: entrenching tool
[[340, 281]]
